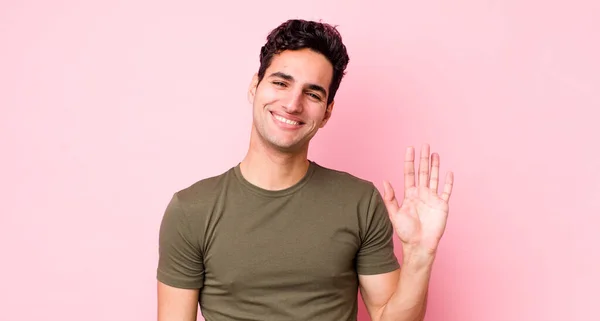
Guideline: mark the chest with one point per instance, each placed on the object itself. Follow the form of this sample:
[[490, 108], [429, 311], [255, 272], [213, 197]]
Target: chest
[[271, 245]]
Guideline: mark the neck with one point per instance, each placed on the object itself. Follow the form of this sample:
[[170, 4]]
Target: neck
[[272, 169]]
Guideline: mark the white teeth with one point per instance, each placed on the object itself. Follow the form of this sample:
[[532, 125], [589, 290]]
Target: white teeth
[[285, 120]]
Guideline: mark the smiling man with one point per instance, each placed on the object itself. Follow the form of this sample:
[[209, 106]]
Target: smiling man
[[280, 237]]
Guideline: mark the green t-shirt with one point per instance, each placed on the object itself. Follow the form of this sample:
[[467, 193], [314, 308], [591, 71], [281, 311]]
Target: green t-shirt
[[293, 254]]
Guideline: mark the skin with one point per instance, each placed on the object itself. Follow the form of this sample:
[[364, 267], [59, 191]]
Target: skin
[[295, 87], [419, 220]]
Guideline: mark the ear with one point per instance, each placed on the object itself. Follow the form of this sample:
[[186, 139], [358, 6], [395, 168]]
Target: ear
[[252, 88], [328, 112]]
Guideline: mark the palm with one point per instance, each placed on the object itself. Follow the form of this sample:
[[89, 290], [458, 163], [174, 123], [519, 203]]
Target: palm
[[420, 218]]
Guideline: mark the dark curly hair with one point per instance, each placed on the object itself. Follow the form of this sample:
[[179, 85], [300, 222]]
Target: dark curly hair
[[296, 34]]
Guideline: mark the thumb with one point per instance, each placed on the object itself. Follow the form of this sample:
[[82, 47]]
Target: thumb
[[389, 198]]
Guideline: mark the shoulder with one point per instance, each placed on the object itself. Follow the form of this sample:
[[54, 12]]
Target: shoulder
[[202, 192], [342, 180], [342, 187]]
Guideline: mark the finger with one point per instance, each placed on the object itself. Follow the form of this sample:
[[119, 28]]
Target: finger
[[424, 166], [448, 186], [409, 168], [435, 172], [389, 198]]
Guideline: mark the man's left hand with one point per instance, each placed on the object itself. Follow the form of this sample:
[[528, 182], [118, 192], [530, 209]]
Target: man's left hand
[[420, 218]]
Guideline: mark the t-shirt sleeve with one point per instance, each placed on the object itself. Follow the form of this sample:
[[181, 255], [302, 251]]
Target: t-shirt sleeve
[[376, 254], [180, 262]]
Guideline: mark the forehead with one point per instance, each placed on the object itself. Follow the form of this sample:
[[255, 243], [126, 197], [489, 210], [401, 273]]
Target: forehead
[[305, 66]]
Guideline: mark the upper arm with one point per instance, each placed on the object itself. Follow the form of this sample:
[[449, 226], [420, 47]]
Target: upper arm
[[376, 255], [377, 289], [180, 270], [180, 259], [177, 304], [377, 265]]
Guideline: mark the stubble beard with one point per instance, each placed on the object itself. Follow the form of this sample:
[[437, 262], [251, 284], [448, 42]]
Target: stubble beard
[[272, 141]]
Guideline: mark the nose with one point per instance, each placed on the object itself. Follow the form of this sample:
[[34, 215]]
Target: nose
[[293, 102]]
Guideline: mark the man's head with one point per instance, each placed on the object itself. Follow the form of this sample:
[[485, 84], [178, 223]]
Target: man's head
[[301, 67]]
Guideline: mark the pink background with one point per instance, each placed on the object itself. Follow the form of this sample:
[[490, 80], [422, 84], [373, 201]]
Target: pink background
[[108, 107]]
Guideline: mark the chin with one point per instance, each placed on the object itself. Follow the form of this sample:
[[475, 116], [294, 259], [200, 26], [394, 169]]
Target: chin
[[280, 141], [285, 146]]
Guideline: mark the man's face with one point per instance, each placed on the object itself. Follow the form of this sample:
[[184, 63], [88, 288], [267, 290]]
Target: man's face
[[290, 103]]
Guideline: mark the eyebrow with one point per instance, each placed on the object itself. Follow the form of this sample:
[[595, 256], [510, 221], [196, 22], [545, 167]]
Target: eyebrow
[[287, 77]]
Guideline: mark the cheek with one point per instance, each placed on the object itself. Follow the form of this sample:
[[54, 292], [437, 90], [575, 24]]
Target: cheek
[[266, 95], [317, 114]]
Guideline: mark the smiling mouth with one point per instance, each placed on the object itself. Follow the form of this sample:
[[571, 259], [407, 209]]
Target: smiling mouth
[[287, 121]]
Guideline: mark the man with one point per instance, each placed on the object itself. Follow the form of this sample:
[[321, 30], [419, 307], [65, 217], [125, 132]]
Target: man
[[279, 237]]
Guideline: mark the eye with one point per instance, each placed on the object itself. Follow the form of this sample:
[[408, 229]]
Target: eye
[[279, 84], [314, 96]]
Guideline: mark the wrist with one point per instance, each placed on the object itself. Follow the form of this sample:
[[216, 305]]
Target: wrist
[[416, 258]]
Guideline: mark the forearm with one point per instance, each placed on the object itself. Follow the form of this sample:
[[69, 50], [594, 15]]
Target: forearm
[[409, 301]]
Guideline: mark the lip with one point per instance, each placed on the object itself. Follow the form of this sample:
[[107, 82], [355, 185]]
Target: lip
[[290, 117], [286, 125]]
